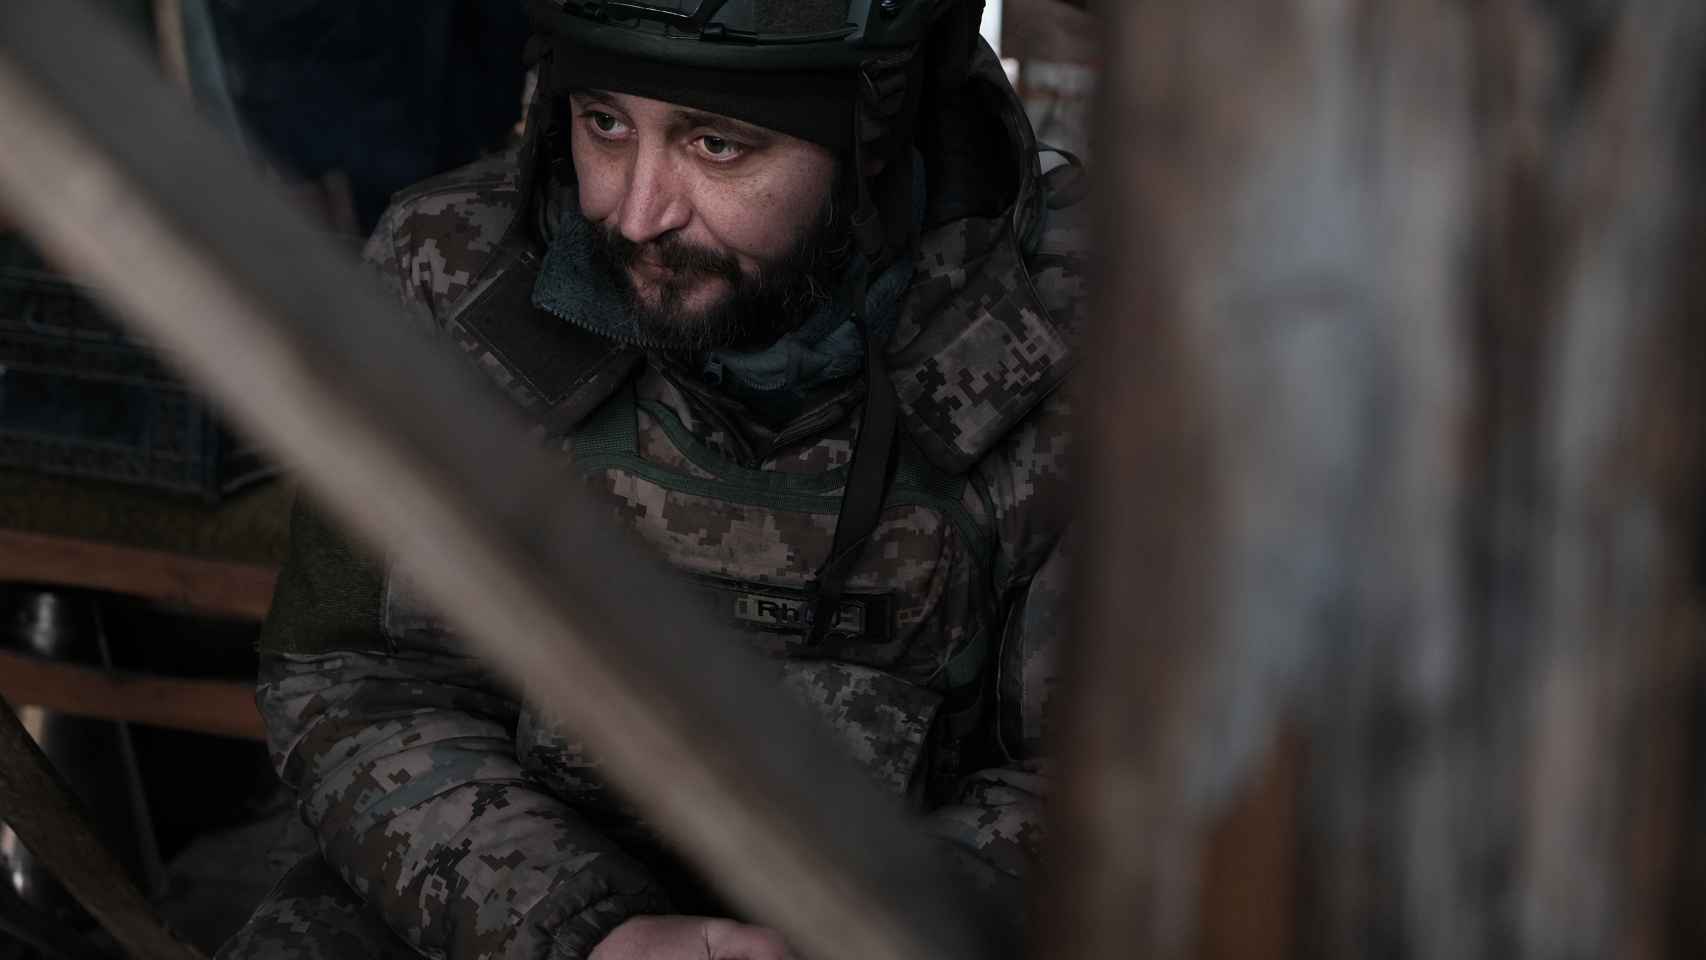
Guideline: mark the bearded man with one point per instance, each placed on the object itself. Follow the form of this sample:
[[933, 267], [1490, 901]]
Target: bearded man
[[785, 283]]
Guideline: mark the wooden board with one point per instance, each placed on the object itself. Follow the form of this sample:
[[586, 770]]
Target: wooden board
[[217, 587], [220, 707]]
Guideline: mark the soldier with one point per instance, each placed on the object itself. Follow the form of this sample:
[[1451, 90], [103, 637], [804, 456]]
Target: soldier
[[785, 283]]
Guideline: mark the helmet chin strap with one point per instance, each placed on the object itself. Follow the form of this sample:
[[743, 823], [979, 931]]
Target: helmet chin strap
[[869, 473]]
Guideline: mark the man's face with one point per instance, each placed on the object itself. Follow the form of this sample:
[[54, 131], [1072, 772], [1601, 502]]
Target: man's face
[[718, 231]]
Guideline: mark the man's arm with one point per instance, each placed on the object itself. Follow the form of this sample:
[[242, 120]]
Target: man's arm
[[405, 765], [995, 824], [404, 759]]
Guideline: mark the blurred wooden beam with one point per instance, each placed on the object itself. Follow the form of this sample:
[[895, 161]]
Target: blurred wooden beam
[[118, 181], [1051, 31], [1394, 427], [169, 36], [1618, 642], [221, 708], [1252, 867], [50, 821], [1269, 449], [220, 588]]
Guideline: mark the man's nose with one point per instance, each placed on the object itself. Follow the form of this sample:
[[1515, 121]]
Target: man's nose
[[656, 202]]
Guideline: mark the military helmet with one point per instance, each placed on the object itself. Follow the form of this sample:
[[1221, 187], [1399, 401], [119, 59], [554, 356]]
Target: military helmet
[[745, 35], [842, 73]]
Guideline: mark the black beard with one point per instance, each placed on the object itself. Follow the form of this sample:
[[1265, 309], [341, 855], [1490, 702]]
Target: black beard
[[757, 310]]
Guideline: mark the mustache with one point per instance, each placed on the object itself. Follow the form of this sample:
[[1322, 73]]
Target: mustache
[[673, 254]]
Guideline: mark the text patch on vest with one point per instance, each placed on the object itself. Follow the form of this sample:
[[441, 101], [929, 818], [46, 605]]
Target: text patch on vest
[[862, 617]]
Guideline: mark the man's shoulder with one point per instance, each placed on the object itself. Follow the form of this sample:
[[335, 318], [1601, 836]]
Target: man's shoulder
[[492, 180], [438, 235], [1059, 256], [990, 327]]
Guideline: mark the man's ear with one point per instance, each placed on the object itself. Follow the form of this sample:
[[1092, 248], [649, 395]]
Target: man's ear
[[874, 166]]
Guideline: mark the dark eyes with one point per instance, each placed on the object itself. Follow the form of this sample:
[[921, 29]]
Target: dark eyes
[[718, 148], [709, 146]]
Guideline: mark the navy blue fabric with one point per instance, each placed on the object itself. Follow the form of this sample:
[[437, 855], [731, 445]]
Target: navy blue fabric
[[387, 91]]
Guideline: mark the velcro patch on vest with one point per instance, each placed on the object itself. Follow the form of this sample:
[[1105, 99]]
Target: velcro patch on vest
[[554, 369], [861, 617]]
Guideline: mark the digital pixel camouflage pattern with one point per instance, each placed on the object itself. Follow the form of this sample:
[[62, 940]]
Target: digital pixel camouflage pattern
[[313, 915], [466, 824]]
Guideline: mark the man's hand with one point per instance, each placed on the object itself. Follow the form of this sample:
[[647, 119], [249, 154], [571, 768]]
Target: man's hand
[[691, 938]]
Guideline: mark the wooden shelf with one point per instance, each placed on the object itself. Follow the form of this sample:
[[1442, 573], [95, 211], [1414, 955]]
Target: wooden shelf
[[217, 587], [221, 707]]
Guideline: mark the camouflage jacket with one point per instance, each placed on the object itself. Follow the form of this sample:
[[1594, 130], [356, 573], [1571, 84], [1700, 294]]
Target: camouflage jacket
[[481, 829]]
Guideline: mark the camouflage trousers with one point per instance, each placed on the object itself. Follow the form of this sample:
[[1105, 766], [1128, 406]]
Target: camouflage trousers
[[313, 915]]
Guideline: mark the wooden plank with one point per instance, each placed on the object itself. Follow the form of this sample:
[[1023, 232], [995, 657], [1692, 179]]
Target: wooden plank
[[1396, 424], [1052, 31], [223, 708], [1251, 864], [1607, 697], [169, 38], [221, 588], [1272, 437], [50, 821], [120, 182]]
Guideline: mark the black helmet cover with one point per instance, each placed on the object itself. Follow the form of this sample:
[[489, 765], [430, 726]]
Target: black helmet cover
[[795, 66]]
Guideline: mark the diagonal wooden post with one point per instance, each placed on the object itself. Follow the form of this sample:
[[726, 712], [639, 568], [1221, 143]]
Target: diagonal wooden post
[[115, 177], [50, 821], [1393, 439]]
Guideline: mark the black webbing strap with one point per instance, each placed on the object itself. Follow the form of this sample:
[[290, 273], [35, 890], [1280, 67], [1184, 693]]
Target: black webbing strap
[[867, 483], [869, 474]]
